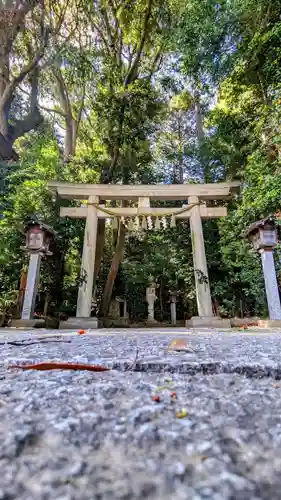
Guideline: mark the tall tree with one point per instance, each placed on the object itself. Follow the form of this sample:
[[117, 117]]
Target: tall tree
[[27, 27], [131, 43]]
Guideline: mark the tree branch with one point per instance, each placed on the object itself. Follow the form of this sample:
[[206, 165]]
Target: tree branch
[[25, 71], [118, 40], [108, 27], [102, 37], [131, 74], [81, 107], [53, 110], [79, 116], [34, 118], [156, 63]]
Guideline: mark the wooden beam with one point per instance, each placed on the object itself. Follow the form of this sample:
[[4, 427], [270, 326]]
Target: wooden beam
[[74, 212], [205, 212], [219, 191]]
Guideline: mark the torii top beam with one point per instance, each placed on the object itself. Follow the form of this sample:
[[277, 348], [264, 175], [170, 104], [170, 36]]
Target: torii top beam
[[218, 191]]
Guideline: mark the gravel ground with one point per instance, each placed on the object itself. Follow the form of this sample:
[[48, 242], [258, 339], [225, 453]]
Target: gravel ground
[[80, 435]]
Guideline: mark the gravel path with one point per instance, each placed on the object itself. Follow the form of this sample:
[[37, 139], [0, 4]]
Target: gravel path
[[79, 435]]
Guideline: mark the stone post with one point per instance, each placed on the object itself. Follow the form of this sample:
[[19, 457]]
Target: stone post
[[31, 286], [84, 301], [271, 287], [173, 301], [262, 235], [203, 295], [125, 311], [150, 299]]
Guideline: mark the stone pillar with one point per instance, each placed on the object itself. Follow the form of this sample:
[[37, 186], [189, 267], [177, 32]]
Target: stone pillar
[[125, 312], [84, 302], [150, 299], [204, 302], [271, 287], [31, 286], [173, 301]]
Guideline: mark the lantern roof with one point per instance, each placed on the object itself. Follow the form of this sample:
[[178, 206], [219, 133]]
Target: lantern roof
[[259, 224], [45, 227]]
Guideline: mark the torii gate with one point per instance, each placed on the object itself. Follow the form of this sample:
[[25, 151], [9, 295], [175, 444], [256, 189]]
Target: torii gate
[[196, 194]]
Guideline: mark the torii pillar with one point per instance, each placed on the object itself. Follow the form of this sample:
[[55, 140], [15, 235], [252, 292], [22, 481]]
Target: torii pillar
[[83, 317], [85, 291], [205, 316]]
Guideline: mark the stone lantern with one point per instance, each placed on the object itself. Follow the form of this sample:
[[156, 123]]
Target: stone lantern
[[37, 238], [263, 237], [262, 234], [37, 241]]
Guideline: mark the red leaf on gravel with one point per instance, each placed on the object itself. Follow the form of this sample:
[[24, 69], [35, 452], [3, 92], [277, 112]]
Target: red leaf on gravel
[[81, 332], [61, 366], [156, 399]]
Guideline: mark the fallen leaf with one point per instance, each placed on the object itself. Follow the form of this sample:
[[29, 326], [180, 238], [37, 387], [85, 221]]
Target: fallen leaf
[[156, 399], [173, 395], [180, 345], [182, 413], [81, 332], [23, 343], [61, 366], [168, 381]]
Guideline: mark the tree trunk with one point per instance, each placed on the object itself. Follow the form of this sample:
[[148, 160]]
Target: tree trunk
[[6, 142], [69, 146], [161, 300], [117, 258], [56, 291], [200, 135], [6, 150], [99, 248], [108, 174], [10, 132], [105, 179], [199, 119]]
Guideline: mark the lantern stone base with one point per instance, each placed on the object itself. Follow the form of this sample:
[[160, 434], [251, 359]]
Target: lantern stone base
[[208, 322], [28, 323], [240, 322], [79, 323], [269, 323]]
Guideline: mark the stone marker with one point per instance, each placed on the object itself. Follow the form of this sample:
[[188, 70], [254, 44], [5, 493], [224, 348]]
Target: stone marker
[[150, 299], [38, 238], [173, 301]]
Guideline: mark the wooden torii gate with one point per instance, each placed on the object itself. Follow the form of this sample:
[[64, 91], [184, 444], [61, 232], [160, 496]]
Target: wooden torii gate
[[197, 196]]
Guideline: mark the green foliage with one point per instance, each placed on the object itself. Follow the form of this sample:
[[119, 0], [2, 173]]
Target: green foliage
[[8, 302], [163, 257]]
